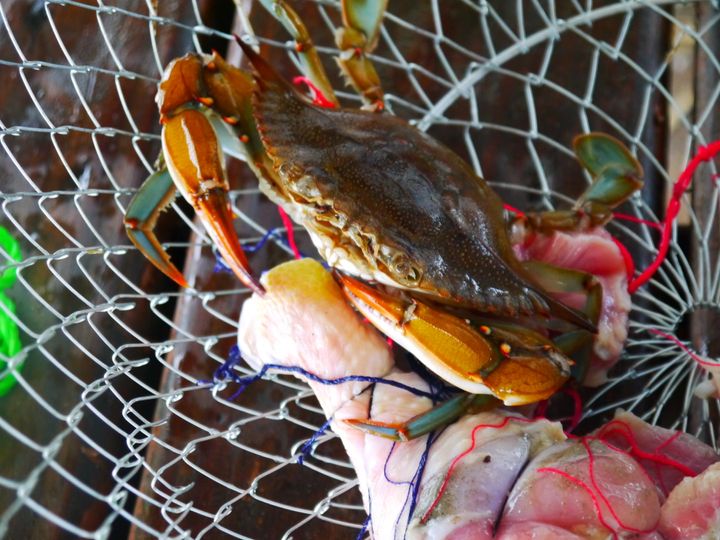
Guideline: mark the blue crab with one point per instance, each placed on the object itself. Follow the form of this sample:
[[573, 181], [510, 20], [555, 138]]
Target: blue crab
[[418, 241]]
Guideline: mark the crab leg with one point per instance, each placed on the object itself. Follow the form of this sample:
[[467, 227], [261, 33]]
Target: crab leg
[[154, 195], [616, 176], [515, 364], [422, 424], [193, 88], [356, 39], [309, 58]]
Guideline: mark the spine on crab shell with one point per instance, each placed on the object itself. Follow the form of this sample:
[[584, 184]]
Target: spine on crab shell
[[266, 73]]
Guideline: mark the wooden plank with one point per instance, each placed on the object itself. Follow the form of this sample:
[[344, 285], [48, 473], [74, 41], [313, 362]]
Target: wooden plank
[[59, 198], [705, 320]]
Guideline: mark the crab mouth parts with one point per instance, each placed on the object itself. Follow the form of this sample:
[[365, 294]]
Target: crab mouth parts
[[343, 245]]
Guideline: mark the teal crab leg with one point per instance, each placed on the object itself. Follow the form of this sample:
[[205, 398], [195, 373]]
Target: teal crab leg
[[304, 46], [616, 176], [422, 424], [156, 193], [356, 40]]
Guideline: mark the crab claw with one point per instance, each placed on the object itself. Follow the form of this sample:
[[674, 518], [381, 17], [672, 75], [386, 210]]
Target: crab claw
[[515, 364], [194, 159], [194, 164], [615, 171]]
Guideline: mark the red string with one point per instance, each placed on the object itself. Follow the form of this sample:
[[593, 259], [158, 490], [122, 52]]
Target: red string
[[513, 210], [587, 488], [460, 456], [591, 470], [700, 360], [318, 97], [287, 222], [704, 153], [577, 407], [618, 427], [541, 409], [627, 258], [669, 440], [455, 461], [634, 219]]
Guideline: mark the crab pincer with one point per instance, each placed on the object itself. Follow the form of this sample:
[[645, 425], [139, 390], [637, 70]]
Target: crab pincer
[[193, 160]]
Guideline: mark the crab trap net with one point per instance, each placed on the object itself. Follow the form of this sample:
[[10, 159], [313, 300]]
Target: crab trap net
[[119, 415]]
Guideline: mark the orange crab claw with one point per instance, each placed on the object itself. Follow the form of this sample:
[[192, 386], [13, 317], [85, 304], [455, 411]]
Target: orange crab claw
[[515, 364], [195, 169], [194, 160]]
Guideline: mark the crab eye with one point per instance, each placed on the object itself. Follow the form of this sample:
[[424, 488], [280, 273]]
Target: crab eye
[[306, 186], [404, 271]]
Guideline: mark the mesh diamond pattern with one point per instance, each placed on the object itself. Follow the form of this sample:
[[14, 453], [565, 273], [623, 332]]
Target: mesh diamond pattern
[[119, 423]]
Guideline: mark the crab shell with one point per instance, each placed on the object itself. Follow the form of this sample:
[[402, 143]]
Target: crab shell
[[384, 201]]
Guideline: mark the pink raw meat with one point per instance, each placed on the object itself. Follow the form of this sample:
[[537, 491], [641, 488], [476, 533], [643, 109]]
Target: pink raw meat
[[667, 456], [303, 320], [594, 252], [488, 475], [692, 510], [583, 487]]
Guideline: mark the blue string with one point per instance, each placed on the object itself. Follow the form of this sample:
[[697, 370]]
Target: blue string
[[364, 528], [439, 389], [306, 448], [411, 495], [248, 247], [432, 437], [225, 372]]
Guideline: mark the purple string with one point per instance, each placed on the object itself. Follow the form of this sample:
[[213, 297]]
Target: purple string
[[412, 494], [437, 386], [364, 528], [432, 437], [306, 448], [248, 247], [225, 372]]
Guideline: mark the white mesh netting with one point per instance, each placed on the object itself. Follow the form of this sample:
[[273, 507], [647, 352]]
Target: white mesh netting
[[115, 426]]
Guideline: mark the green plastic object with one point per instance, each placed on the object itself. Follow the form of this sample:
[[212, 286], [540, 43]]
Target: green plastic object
[[10, 343], [12, 248]]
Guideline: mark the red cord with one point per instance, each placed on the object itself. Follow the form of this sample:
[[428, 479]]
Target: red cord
[[591, 470], [287, 222], [693, 355], [615, 427], [587, 488], [633, 219], [705, 153], [460, 456], [318, 97]]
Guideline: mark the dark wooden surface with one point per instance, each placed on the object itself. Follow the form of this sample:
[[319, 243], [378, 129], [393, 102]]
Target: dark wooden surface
[[504, 158], [704, 321]]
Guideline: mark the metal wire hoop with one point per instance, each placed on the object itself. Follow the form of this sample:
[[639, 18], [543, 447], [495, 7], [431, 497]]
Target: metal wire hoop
[[95, 327]]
